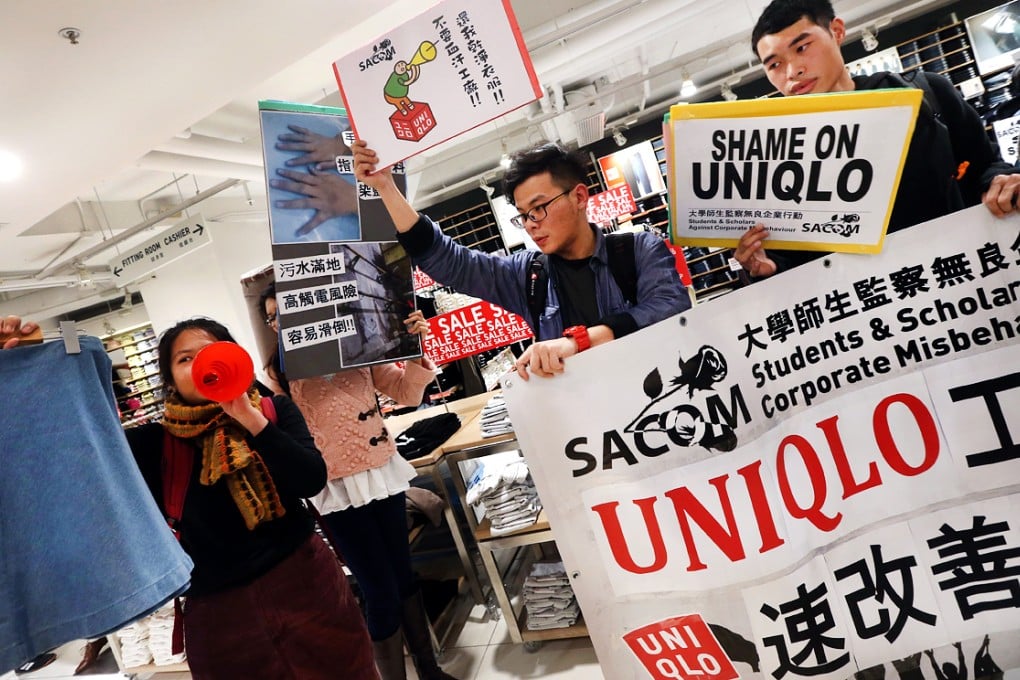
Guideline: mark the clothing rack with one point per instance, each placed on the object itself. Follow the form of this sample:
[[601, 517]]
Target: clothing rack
[[68, 333]]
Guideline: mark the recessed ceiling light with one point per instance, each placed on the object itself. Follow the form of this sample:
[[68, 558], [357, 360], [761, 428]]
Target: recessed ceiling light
[[10, 166]]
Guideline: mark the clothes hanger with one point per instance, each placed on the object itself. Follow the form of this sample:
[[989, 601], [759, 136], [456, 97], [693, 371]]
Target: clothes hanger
[[68, 333]]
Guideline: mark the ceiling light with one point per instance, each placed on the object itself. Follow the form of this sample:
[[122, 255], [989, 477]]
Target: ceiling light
[[868, 40], [10, 166], [618, 137], [687, 87]]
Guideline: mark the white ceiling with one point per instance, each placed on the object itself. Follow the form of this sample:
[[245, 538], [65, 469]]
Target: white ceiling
[[158, 90]]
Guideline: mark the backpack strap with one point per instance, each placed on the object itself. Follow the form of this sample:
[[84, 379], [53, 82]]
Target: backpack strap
[[620, 258], [269, 409], [536, 288], [178, 462]]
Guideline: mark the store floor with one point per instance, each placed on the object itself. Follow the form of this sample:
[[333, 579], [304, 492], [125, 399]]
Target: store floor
[[481, 650]]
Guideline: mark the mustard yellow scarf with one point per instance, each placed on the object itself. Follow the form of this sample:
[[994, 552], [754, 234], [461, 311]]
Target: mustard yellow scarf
[[226, 454]]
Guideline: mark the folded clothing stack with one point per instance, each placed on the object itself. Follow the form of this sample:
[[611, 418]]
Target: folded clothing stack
[[495, 420], [424, 436], [507, 493], [161, 633], [549, 598], [134, 644]]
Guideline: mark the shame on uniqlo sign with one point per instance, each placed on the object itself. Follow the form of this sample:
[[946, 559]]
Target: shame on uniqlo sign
[[681, 648]]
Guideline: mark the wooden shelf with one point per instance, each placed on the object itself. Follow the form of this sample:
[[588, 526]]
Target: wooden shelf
[[484, 531], [138, 392], [579, 629]]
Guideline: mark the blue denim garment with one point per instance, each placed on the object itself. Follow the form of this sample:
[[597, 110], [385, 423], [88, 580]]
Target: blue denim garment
[[83, 547]]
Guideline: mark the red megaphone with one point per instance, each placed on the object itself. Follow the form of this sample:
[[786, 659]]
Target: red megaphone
[[222, 371]]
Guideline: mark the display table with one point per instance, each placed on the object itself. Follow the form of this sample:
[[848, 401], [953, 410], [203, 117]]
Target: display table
[[467, 409], [465, 444], [468, 444]]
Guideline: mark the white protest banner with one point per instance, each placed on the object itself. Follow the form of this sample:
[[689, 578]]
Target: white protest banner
[[453, 67], [473, 329], [1007, 134], [819, 475], [186, 236], [820, 171]]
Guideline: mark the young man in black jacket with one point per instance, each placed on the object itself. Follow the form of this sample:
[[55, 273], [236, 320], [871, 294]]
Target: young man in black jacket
[[951, 164]]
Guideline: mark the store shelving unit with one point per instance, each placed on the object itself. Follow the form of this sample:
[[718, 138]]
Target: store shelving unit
[[139, 346], [527, 544]]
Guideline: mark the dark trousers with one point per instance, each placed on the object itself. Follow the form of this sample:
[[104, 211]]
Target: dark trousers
[[373, 542], [299, 621]]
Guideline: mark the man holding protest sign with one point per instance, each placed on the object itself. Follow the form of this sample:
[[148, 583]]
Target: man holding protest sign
[[951, 163], [585, 303]]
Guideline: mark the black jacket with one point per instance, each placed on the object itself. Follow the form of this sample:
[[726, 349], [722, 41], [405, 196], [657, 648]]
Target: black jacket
[[948, 133], [213, 533]]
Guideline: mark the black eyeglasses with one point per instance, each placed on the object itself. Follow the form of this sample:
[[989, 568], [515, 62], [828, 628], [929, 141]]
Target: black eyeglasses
[[270, 319], [537, 213]]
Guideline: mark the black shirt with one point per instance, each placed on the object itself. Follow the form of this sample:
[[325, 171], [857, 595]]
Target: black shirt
[[575, 285]]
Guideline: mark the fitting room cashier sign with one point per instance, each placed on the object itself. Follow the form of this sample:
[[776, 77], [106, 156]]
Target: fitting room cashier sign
[[820, 171]]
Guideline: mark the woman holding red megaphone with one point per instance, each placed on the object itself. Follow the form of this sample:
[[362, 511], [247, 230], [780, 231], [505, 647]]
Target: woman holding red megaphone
[[267, 597]]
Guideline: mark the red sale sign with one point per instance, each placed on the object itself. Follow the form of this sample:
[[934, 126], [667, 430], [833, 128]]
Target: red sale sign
[[421, 279], [473, 329], [611, 204], [681, 648]]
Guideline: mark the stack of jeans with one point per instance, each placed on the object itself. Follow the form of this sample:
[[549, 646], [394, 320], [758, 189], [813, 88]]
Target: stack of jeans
[[549, 598], [507, 493]]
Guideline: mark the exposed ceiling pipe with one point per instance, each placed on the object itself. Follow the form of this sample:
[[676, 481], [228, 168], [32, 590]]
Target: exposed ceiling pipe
[[13, 285], [141, 226], [629, 23], [203, 146], [203, 167], [586, 16]]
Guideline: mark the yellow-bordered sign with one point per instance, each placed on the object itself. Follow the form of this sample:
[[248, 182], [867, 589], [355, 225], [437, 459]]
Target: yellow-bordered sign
[[819, 171]]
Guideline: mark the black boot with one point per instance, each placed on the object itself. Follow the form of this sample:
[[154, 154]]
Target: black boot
[[389, 656], [419, 641]]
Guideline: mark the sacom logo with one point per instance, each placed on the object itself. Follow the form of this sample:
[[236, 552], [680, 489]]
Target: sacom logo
[[685, 424]]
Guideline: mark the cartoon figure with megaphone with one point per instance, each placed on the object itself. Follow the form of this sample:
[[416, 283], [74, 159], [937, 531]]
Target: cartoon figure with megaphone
[[404, 74], [412, 120]]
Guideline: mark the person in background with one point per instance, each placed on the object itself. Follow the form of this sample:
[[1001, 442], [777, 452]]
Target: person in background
[[363, 504], [267, 597], [584, 305], [951, 163]]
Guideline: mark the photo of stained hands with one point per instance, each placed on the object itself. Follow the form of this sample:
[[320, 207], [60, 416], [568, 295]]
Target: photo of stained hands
[[309, 198]]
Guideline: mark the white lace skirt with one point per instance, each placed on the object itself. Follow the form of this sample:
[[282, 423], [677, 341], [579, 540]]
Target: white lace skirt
[[362, 488]]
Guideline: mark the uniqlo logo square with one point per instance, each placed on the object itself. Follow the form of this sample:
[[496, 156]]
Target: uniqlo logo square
[[681, 648]]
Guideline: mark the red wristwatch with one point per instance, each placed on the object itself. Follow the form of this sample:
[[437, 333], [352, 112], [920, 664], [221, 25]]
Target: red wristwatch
[[580, 336]]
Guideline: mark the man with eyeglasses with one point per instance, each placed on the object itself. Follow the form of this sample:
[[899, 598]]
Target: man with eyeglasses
[[584, 306]]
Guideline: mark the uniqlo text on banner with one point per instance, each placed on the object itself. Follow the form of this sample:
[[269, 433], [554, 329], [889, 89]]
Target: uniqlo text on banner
[[824, 472]]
